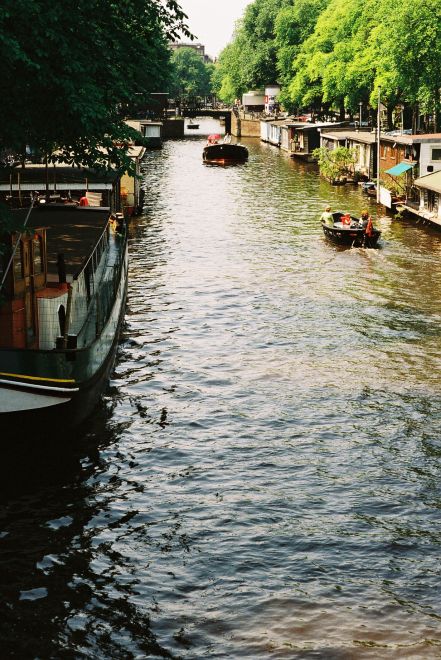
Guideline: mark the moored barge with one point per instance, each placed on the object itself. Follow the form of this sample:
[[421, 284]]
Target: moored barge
[[61, 307]]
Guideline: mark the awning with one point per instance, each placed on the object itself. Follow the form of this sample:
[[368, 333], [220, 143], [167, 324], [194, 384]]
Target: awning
[[402, 167]]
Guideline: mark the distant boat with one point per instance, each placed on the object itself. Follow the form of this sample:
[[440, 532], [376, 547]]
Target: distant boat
[[223, 152], [350, 232], [63, 301]]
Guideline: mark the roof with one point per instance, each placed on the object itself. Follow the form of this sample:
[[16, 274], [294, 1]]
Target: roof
[[412, 139], [369, 137], [136, 124], [430, 182], [62, 173], [402, 167], [357, 136]]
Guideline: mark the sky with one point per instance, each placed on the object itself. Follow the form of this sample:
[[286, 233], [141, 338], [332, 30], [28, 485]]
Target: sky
[[212, 21]]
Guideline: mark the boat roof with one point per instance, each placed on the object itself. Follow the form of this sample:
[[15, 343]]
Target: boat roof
[[430, 182], [370, 137], [71, 230], [358, 136]]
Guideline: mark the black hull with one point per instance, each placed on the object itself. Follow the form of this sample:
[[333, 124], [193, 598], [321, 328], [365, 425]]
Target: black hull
[[350, 235], [225, 153]]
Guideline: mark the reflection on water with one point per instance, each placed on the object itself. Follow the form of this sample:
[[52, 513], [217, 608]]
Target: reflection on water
[[264, 479]]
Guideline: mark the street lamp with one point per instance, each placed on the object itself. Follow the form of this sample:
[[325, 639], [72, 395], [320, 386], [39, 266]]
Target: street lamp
[[361, 107]]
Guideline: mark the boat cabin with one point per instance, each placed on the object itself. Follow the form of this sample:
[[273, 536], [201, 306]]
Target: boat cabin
[[426, 203], [25, 280], [364, 142], [45, 260]]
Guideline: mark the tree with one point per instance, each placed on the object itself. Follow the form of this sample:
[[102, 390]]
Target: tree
[[293, 25], [71, 69], [250, 60], [412, 47], [191, 76], [335, 163]]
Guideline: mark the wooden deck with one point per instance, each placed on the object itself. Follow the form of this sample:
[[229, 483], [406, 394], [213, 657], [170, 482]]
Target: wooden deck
[[71, 230]]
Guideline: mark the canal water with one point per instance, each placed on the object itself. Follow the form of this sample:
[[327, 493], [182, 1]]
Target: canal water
[[263, 479]]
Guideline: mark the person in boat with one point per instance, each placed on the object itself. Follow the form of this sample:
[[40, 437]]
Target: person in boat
[[326, 217], [366, 223]]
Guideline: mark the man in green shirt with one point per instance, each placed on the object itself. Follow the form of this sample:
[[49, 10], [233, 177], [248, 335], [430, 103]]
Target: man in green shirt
[[326, 216]]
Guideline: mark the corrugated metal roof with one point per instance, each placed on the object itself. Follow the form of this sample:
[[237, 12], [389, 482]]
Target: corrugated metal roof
[[364, 137], [430, 182]]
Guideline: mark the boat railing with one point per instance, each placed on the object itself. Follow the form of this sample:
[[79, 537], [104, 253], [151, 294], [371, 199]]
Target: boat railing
[[94, 287]]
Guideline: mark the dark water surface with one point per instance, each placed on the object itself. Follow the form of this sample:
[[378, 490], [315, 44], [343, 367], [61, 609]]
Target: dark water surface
[[264, 478]]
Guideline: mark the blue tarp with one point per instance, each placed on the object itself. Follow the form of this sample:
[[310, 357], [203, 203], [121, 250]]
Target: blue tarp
[[396, 170]]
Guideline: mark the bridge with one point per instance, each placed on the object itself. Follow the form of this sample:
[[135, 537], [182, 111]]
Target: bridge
[[203, 111]]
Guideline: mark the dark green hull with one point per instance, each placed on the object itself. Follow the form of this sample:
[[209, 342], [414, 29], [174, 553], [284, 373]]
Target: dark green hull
[[45, 392]]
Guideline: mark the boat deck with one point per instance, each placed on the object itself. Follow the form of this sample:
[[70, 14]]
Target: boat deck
[[71, 230]]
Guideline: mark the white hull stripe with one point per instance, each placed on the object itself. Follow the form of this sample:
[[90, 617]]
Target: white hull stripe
[[46, 388]]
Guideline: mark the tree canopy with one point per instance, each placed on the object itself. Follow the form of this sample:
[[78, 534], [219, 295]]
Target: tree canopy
[[337, 53], [250, 61], [191, 75], [71, 69]]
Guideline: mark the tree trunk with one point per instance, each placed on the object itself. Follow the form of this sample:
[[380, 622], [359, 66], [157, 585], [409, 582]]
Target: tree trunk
[[390, 117], [437, 114], [342, 111], [414, 118]]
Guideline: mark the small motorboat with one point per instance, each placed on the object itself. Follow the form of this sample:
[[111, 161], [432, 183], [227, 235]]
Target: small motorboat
[[369, 187], [351, 231], [223, 152]]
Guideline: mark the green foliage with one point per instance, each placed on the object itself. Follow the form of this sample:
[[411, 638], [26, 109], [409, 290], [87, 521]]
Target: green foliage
[[71, 69], [293, 25], [8, 225], [191, 76], [335, 163], [412, 45], [337, 53], [250, 60]]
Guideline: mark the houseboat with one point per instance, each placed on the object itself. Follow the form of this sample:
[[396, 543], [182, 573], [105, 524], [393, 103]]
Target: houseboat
[[131, 191], [271, 131], [64, 282], [150, 132], [364, 143], [305, 138], [426, 204]]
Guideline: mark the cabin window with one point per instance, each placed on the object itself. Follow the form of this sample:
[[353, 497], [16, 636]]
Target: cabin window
[[37, 254], [152, 131], [18, 262], [436, 153]]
